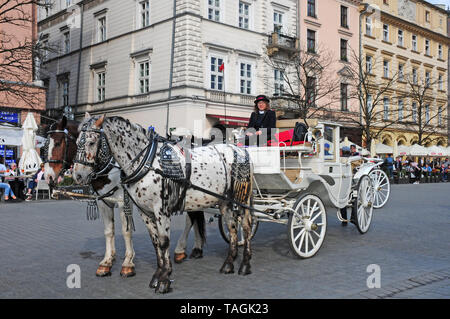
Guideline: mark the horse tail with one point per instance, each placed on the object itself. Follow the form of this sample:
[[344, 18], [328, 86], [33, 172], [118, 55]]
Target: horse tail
[[199, 219]]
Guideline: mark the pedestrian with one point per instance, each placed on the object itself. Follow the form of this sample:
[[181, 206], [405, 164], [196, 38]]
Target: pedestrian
[[399, 166], [262, 118], [353, 151], [389, 164], [197, 220]]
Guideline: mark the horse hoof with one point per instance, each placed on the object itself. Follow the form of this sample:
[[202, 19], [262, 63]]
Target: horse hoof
[[103, 271], [196, 253], [227, 269], [244, 270], [163, 287], [154, 282], [127, 272], [178, 258]]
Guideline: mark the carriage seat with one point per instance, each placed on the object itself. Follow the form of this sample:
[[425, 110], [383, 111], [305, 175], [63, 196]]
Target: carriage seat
[[284, 139]]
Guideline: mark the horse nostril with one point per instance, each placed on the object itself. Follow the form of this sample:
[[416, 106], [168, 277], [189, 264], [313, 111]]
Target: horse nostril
[[78, 176]]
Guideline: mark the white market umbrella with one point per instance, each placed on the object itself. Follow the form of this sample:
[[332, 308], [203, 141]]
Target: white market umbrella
[[381, 148], [403, 150], [347, 142], [30, 160], [418, 150], [436, 151]]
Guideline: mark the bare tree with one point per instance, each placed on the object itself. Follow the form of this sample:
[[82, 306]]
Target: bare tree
[[380, 109], [18, 52], [304, 81], [420, 90]]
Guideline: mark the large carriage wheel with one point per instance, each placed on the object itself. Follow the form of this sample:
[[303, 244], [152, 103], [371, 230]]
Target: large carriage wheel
[[363, 204], [307, 226], [223, 228], [381, 186]]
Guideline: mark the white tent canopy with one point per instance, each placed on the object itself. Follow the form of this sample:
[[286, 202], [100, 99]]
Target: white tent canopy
[[403, 150], [10, 135], [418, 150], [436, 151], [347, 142], [30, 160], [383, 149]]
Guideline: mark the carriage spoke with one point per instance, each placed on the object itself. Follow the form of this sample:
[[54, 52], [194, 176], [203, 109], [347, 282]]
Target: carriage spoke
[[299, 234]]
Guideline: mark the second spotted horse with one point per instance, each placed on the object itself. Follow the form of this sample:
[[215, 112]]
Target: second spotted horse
[[163, 179]]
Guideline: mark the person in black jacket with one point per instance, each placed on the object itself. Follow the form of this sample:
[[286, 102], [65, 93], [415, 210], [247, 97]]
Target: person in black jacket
[[263, 118]]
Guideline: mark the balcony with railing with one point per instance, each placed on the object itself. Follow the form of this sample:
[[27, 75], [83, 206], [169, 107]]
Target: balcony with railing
[[282, 43]]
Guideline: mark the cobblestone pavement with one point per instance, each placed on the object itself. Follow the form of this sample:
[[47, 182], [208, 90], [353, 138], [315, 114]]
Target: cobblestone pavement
[[409, 240]]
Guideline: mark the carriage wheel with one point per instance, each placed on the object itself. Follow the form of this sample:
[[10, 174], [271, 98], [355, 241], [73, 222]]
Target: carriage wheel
[[223, 228], [382, 187], [363, 204], [307, 226]]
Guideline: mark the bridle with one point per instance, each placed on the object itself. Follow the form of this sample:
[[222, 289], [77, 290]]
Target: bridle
[[67, 139], [104, 160]]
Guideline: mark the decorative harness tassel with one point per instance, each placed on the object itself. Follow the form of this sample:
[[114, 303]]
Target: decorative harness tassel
[[128, 211], [92, 210]]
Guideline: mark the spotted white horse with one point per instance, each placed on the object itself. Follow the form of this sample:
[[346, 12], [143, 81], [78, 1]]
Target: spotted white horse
[[222, 172]]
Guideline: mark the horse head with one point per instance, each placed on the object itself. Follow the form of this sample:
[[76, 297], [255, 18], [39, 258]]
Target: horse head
[[92, 149], [61, 148]]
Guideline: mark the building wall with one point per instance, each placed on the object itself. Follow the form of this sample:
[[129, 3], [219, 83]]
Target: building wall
[[410, 18]]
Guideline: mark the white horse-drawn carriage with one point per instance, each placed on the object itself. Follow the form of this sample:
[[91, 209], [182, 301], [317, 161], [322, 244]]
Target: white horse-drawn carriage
[[294, 185]]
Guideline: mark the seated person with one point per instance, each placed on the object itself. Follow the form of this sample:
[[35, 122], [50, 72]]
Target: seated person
[[262, 118], [353, 151], [345, 151], [8, 191], [327, 149], [33, 183]]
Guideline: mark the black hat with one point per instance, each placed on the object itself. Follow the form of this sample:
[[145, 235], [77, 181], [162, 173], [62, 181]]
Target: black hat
[[261, 98]]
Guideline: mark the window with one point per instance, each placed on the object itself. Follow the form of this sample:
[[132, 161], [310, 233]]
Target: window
[[414, 112], [401, 75], [278, 76], [427, 47], [427, 16], [385, 68], [414, 42], [64, 85], [400, 37], [310, 90], [68, 3], [343, 50], [386, 2], [214, 10], [216, 78], [344, 97], [311, 41], [144, 13], [245, 78], [66, 42], [440, 82], [414, 75], [244, 15], [440, 116], [277, 21], [311, 8], [427, 113], [440, 51], [400, 110], [369, 104], [386, 32], [427, 79], [101, 86], [344, 17], [101, 29], [369, 64], [386, 108], [369, 26], [144, 77]]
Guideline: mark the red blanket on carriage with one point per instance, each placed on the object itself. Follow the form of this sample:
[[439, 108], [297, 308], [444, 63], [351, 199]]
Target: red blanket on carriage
[[282, 139]]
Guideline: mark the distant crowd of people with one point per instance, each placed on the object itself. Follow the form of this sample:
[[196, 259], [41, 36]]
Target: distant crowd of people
[[424, 167]]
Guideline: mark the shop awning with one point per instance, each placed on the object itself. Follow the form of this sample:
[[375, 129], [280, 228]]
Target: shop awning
[[11, 135], [231, 120]]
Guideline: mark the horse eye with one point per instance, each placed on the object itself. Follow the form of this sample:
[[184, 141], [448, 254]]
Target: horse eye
[[91, 143]]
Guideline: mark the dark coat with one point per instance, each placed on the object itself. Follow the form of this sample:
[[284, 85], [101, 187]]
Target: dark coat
[[268, 122]]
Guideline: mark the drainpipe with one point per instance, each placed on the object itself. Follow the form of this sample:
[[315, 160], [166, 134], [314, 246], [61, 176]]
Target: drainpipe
[[79, 54], [171, 65], [360, 66]]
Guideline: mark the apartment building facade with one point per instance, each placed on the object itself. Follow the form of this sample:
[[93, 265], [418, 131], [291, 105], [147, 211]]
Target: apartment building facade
[[196, 64], [409, 40]]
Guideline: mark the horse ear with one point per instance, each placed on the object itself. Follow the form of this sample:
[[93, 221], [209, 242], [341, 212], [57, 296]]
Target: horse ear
[[87, 115], [99, 122]]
